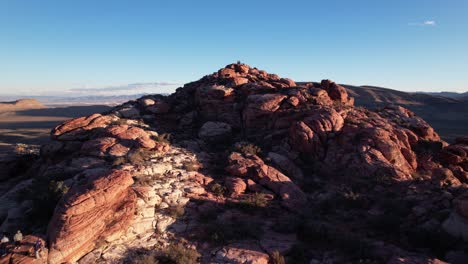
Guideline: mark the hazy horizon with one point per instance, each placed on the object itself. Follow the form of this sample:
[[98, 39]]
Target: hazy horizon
[[154, 88], [62, 47]]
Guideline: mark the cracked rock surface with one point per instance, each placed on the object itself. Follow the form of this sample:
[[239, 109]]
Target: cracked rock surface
[[244, 166]]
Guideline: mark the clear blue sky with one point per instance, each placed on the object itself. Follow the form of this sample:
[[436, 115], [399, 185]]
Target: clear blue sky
[[50, 46]]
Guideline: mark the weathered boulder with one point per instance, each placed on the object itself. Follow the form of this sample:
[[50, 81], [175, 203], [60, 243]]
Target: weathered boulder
[[215, 132], [254, 168], [76, 129], [235, 185], [286, 165], [241, 253], [100, 204], [129, 112]]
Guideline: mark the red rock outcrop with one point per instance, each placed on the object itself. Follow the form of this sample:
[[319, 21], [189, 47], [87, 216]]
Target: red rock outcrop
[[309, 130], [318, 120], [101, 202], [252, 167]]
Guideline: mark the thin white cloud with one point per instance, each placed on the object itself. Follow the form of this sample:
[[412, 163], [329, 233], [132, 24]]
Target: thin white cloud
[[427, 23], [154, 87]]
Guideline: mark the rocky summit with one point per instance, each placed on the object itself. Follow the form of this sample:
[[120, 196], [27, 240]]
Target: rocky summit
[[242, 166]]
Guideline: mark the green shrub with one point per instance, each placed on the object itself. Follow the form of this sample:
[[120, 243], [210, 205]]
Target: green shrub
[[180, 254], [45, 195], [140, 156], [218, 189], [58, 189], [256, 200], [247, 148]]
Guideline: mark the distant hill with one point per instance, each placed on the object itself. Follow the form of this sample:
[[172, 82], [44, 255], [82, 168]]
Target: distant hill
[[19, 105], [448, 115], [371, 96], [459, 96], [58, 101]]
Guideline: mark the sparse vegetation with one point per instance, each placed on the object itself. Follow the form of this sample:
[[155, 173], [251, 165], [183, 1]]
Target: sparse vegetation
[[163, 138], [354, 246], [247, 148], [192, 166], [233, 229], [218, 189], [175, 211], [256, 200], [45, 196], [180, 254], [172, 254], [58, 189], [277, 258], [140, 156], [144, 180], [119, 161], [149, 258]]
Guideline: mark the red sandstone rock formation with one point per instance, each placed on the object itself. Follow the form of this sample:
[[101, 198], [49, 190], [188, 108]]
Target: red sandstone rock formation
[[100, 202], [310, 126]]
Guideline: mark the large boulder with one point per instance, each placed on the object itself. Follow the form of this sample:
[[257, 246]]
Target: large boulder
[[215, 132], [100, 204], [77, 129], [457, 223], [252, 167], [241, 253]]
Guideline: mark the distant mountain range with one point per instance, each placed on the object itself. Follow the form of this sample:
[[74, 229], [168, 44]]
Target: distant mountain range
[[57, 101], [446, 112], [460, 96]]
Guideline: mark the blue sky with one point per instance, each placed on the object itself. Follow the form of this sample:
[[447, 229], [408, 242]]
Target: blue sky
[[49, 47]]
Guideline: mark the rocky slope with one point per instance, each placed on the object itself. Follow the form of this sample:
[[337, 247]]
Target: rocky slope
[[245, 167]]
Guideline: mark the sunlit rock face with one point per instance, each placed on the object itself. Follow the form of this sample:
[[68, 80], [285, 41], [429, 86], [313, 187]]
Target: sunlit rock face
[[246, 137]]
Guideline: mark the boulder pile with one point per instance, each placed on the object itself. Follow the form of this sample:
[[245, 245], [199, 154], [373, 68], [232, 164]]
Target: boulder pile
[[263, 165]]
